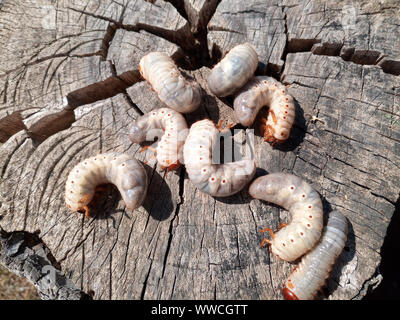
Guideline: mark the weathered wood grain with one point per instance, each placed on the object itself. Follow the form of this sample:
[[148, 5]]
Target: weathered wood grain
[[364, 32], [75, 89]]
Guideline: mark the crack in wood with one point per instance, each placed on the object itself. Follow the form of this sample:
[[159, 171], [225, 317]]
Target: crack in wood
[[101, 90], [143, 292], [350, 54], [67, 54], [178, 205], [10, 125]]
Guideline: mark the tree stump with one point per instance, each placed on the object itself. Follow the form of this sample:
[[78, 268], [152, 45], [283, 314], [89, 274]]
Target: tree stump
[[70, 88]]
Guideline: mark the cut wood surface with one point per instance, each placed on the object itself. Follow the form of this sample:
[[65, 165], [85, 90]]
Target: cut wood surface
[[70, 89]]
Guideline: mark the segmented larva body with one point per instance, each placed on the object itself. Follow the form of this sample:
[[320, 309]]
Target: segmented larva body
[[313, 270], [122, 170], [234, 70], [218, 180], [174, 131], [263, 91], [167, 81], [305, 207]]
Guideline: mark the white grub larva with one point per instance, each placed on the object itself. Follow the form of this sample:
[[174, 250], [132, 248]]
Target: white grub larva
[[167, 81], [234, 70], [263, 91], [305, 207], [172, 127], [122, 170], [220, 180], [314, 268]]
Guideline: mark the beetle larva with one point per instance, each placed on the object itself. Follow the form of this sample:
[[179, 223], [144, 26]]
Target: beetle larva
[[234, 70], [167, 81], [305, 207], [220, 180], [310, 274], [266, 91], [122, 170], [174, 131]]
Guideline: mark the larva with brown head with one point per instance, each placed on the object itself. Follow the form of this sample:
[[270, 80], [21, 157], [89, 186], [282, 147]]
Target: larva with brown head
[[305, 207], [122, 170], [220, 180], [263, 91], [313, 270], [234, 70], [167, 81], [173, 135]]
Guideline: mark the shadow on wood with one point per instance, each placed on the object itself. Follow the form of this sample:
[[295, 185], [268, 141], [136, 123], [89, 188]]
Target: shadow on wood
[[158, 201]]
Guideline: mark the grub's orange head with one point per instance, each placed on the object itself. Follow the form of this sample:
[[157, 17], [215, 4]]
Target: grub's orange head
[[141, 71], [270, 138], [171, 166], [289, 295]]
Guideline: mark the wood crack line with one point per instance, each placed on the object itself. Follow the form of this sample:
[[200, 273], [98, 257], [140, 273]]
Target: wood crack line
[[348, 54], [67, 54], [178, 37], [178, 205]]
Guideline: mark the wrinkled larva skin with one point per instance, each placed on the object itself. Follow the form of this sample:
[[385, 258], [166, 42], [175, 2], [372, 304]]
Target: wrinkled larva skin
[[263, 91], [174, 131], [304, 205], [122, 170], [234, 70], [313, 270], [220, 180], [166, 80]]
